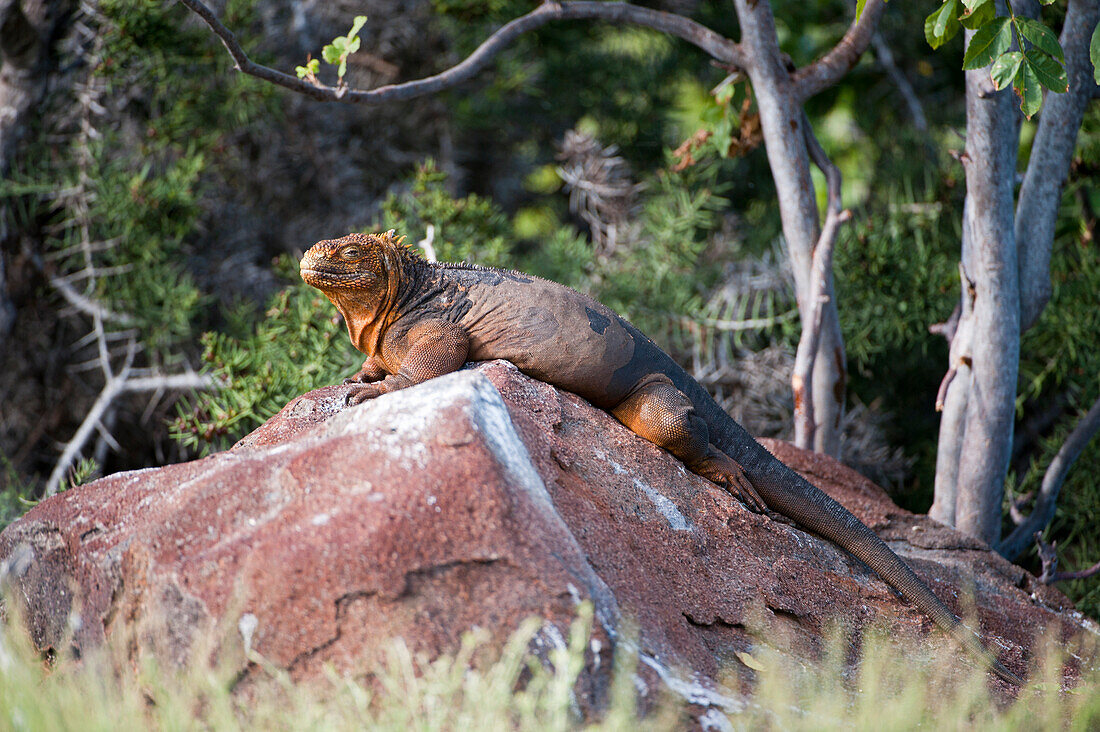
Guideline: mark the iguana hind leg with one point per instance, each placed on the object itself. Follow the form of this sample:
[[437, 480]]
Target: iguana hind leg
[[662, 414]]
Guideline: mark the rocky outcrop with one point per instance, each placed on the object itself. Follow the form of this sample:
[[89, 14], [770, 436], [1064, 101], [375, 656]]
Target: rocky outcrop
[[479, 499]]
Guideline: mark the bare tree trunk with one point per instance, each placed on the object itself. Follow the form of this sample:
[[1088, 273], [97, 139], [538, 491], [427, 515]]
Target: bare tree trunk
[[781, 122], [989, 261], [1006, 259], [952, 399], [1051, 152]]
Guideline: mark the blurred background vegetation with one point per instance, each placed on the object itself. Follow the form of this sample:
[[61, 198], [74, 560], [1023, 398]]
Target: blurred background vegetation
[[206, 186]]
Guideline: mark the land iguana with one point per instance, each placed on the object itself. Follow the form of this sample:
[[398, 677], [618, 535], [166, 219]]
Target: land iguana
[[416, 320]]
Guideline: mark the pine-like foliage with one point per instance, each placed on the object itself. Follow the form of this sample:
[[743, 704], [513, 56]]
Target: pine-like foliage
[[107, 195]]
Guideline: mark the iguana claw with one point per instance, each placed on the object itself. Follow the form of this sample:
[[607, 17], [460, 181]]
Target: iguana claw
[[361, 394], [738, 484]]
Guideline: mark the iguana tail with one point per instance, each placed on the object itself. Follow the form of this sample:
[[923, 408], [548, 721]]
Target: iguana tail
[[788, 493], [791, 495]]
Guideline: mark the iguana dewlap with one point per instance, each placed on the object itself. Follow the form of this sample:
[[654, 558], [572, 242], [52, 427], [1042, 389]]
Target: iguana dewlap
[[416, 320]]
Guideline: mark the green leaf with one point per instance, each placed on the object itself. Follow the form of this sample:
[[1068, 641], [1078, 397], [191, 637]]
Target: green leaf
[[343, 67], [859, 7], [972, 5], [331, 54], [353, 46], [929, 32], [947, 14], [301, 71], [1027, 88], [942, 25], [979, 16], [1049, 72], [1040, 36], [989, 42], [1094, 53], [1005, 68], [357, 25]]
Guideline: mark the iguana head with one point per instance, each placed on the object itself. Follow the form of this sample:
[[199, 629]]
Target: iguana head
[[362, 275], [353, 262]]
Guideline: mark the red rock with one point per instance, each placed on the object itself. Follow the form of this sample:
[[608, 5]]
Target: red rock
[[424, 513]]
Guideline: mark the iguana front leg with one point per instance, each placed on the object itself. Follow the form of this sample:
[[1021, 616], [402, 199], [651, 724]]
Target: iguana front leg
[[371, 371], [435, 348], [662, 414]]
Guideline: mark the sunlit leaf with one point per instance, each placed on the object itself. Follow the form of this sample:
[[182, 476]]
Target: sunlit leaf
[[1005, 69], [989, 42], [749, 661], [947, 14], [979, 16], [942, 25], [1028, 89], [1094, 53], [1050, 73], [1040, 36]]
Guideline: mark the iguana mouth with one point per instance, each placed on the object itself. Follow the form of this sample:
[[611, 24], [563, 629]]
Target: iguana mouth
[[316, 277]]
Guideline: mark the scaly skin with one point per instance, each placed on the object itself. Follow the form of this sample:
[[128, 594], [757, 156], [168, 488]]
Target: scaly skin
[[416, 320]]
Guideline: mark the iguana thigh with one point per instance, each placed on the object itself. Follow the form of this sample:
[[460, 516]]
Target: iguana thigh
[[662, 414]]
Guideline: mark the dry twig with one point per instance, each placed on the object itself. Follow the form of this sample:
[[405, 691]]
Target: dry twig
[[835, 215]]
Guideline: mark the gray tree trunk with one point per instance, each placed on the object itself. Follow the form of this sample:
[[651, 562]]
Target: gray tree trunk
[[989, 261], [781, 122], [1006, 258], [1051, 153]]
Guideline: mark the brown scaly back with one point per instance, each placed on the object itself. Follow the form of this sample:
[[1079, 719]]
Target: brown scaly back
[[363, 275]]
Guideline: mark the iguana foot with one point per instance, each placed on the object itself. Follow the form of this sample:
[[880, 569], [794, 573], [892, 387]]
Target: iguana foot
[[726, 472], [369, 373], [364, 377], [737, 483], [780, 518], [362, 393]]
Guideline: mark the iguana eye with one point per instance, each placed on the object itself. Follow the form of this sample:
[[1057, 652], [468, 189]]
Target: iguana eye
[[350, 253]]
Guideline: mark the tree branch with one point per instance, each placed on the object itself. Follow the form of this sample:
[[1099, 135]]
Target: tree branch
[[1048, 555], [1043, 512], [789, 160], [1080, 574], [804, 424], [989, 256], [830, 68], [952, 402], [908, 94], [112, 389], [87, 305], [716, 45]]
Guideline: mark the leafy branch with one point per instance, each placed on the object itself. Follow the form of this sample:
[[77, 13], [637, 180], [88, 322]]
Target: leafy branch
[[335, 54], [1037, 63]]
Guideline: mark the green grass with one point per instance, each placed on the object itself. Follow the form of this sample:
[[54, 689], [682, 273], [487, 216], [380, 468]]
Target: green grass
[[511, 690]]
